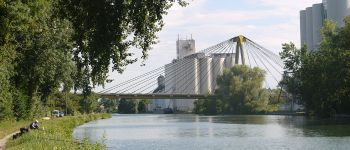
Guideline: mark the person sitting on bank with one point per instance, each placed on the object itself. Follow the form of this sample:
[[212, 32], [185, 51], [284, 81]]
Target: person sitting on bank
[[34, 125]]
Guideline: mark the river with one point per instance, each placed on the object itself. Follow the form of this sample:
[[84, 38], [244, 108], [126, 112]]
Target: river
[[193, 132]]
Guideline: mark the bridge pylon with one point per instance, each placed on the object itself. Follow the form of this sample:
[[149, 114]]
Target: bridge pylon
[[239, 48]]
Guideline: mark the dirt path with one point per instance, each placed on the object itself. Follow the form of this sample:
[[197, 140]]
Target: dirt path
[[4, 140]]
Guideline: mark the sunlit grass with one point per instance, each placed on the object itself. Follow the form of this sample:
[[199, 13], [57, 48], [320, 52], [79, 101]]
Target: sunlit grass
[[8, 127], [57, 134]]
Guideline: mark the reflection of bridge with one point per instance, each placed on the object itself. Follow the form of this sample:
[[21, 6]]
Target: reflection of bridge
[[194, 76]]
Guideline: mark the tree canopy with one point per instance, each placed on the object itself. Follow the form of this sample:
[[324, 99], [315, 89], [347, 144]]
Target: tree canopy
[[240, 90], [321, 79], [49, 46]]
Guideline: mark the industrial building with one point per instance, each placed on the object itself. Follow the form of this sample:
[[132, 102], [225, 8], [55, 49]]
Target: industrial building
[[312, 19], [192, 73]]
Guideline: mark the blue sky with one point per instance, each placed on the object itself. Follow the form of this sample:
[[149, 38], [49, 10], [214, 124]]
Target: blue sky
[[267, 22]]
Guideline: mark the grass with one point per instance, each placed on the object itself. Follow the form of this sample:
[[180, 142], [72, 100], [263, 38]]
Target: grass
[[57, 134], [8, 127]]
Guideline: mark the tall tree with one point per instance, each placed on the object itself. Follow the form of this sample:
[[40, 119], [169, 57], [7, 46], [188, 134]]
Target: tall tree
[[41, 47], [106, 29], [240, 90], [322, 77]]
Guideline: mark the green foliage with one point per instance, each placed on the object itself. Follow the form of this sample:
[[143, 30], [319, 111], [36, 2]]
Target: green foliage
[[105, 30], [57, 134], [239, 91], [47, 45], [109, 105], [127, 106], [322, 79], [89, 103], [293, 59], [133, 106], [142, 105], [20, 101], [37, 46], [7, 55]]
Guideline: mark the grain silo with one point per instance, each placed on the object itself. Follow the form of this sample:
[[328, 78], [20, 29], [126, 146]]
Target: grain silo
[[217, 67], [317, 23], [309, 28], [205, 65], [303, 27], [337, 10]]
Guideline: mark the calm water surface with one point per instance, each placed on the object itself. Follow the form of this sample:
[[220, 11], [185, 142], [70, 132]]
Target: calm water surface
[[182, 132]]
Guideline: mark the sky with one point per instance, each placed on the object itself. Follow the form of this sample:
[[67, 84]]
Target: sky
[[267, 22]]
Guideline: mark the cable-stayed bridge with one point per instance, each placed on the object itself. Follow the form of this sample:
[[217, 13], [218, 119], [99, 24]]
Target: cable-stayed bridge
[[194, 76]]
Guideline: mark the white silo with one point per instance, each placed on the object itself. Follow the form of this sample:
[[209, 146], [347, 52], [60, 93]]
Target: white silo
[[205, 75], [186, 82], [170, 73], [217, 68], [337, 10], [229, 61], [303, 27], [309, 28], [317, 23]]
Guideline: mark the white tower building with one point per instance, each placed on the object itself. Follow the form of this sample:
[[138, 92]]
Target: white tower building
[[185, 47], [312, 19]]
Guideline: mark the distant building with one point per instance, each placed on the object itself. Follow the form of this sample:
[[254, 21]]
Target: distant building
[[312, 19], [193, 73], [190, 73]]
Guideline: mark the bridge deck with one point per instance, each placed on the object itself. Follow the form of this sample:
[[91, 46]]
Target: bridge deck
[[156, 96]]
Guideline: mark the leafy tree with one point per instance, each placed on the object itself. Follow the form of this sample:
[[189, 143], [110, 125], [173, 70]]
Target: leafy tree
[[322, 77], [293, 59], [6, 71], [110, 105], [239, 91], [48, 44], [127, 106], [142, 105], [38, 45], [105, 30], [89, 103]]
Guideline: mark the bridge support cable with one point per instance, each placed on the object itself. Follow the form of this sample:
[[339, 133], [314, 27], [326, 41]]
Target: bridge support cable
[[227, 47], [264, 65], [268, 57], [268, 60], [129, 81], [249, 52], [267, 52], [138, 81], [149, 86]]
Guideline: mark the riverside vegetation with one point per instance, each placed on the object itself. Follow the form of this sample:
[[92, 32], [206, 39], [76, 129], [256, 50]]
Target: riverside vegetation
[[320, 79], [49, 48], [57, 134], [240, 91]]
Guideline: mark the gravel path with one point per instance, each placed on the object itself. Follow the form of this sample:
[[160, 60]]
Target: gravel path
[[4, 140]]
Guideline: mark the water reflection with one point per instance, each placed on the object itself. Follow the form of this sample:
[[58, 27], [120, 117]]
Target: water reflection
[[217, 132]]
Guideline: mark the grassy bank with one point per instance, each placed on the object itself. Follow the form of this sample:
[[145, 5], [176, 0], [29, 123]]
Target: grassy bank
[[8, 127], [56, 134]]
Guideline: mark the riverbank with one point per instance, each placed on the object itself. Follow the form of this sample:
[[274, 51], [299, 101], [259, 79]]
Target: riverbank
[[8, 127], [57, 134]]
